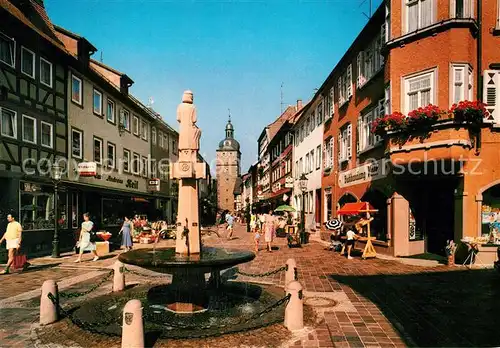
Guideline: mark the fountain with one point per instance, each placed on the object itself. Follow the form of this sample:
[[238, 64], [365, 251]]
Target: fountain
[[189, 261]]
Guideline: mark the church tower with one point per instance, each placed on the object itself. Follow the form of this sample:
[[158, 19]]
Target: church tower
[[227, 169]]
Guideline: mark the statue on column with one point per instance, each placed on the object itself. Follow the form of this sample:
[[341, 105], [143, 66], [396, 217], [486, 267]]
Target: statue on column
[[189, 133]]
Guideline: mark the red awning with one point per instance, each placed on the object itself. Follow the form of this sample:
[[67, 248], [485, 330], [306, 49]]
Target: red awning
[[280, 192], [356, 208], [139, 199]]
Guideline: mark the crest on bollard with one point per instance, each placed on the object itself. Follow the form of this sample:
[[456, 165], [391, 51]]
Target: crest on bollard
[[128, 318]]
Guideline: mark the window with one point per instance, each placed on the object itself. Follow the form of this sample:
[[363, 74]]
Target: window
[[387, 24], [319, 114], [76, 90], [311, 161], [160, 139], [328, 153], [111, 161], [37, 207], [329, 104], [135, 125], [29, 129], [296, 169], [153, 135], [462, 8], [306, 164], [125, 119], [366, 139], [318, 157], [136, 163], [9, 123], [126, 160], [387, 100], [46, 72], [462, 79], [344, 83], [328, 205], [47, 137], [7, 50], [27, 62], [174, 147], [154, 169], [419, 14], [345, 141], [97, 104], [110, 111], [97, 150], [370, 61], [301, 168], [144, 129], [76, 144], [419, 91], [144, 166]]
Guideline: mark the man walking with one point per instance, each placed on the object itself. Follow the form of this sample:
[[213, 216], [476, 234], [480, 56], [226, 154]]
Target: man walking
[[13, 237]]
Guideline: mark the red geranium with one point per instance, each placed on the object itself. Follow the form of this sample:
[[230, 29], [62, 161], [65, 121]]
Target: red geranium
[[427, 116], [469, 111], [393, 122]]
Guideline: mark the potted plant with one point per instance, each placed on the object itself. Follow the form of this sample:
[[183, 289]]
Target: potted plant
[[424, 117], [393, 122], [451, 248], [472, 112]]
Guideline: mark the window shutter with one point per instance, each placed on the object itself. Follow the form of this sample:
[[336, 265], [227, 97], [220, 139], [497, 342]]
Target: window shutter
[[359, 128], [349, 81], [470, 84], [382, 41], [380, 113], [490, 94], [332, 102], [339, 89], [325, 163], [332, 155], [361, 76], [339, 150], [349, 141]]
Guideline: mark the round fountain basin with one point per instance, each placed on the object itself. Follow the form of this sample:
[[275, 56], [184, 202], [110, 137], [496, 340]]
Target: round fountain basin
[[166, 260]]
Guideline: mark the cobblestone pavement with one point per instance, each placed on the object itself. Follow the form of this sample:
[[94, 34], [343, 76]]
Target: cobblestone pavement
[[358, 303]]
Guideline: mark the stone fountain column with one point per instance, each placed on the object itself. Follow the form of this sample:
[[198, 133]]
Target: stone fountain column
[[188, 171]]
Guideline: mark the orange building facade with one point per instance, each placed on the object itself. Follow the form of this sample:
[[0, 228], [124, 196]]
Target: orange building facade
[[432, 187]]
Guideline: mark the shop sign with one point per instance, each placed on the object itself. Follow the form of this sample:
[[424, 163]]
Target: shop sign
[[87, 169], [154, 185], [132, 184], [365, 173], [260, 195], [115, 180], [289, 182]]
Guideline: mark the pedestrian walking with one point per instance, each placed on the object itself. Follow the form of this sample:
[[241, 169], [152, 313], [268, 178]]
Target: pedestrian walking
[[85, 244], [13, 238], [253, 222], [269, 229], [126, 232], [351, 236], [230, 225]]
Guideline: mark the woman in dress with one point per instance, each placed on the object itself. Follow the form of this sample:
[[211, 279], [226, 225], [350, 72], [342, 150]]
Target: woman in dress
[[126, 232], [84, 242], [269, 229]]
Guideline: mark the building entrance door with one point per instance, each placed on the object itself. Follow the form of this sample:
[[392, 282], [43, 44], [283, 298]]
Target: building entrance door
[[317, 211]]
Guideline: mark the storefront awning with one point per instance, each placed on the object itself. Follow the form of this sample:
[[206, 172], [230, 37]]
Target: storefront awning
[[140, 199], [356, 208], [279, 193]]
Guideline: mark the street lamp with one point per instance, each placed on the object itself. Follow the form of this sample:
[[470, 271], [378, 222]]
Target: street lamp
[[56, 177], [303, 188]]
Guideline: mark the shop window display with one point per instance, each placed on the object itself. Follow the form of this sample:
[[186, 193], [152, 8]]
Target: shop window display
[[37, 207], [490, 213], [112, 212]]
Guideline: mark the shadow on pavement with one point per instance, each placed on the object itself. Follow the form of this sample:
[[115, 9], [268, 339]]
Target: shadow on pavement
[[34, 268], [436, 309]]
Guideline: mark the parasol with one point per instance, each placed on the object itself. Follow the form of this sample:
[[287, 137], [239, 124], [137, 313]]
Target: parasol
[[334, 224], [285, 207]]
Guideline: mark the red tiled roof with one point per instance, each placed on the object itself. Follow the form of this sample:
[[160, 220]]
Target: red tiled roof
[[40, 11]]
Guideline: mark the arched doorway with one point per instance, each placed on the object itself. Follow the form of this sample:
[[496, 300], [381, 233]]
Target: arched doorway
[[379, 201]]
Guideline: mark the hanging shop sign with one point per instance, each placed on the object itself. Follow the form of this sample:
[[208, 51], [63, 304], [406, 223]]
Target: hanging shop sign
[[365, 173], [289, 182], [154, 185], [86, 169]]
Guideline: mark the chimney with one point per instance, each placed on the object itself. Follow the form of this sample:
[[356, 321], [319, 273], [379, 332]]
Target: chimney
[[299, 104], [125, 83]]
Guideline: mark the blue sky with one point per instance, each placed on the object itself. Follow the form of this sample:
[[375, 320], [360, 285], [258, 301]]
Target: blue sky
[[231, 54]]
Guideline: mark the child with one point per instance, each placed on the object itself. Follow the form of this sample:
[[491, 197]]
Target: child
[[351, 236], [256, 238]]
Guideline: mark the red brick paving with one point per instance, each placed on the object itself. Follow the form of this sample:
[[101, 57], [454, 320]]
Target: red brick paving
[[392, 304]]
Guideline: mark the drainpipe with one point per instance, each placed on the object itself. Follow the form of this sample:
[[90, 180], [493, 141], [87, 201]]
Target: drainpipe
[[479, 67]]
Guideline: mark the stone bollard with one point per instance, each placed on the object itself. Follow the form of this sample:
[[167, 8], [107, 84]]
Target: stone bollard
[[133, 328], [294, 311], [48, 310], [291, 272], [118, 276]]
